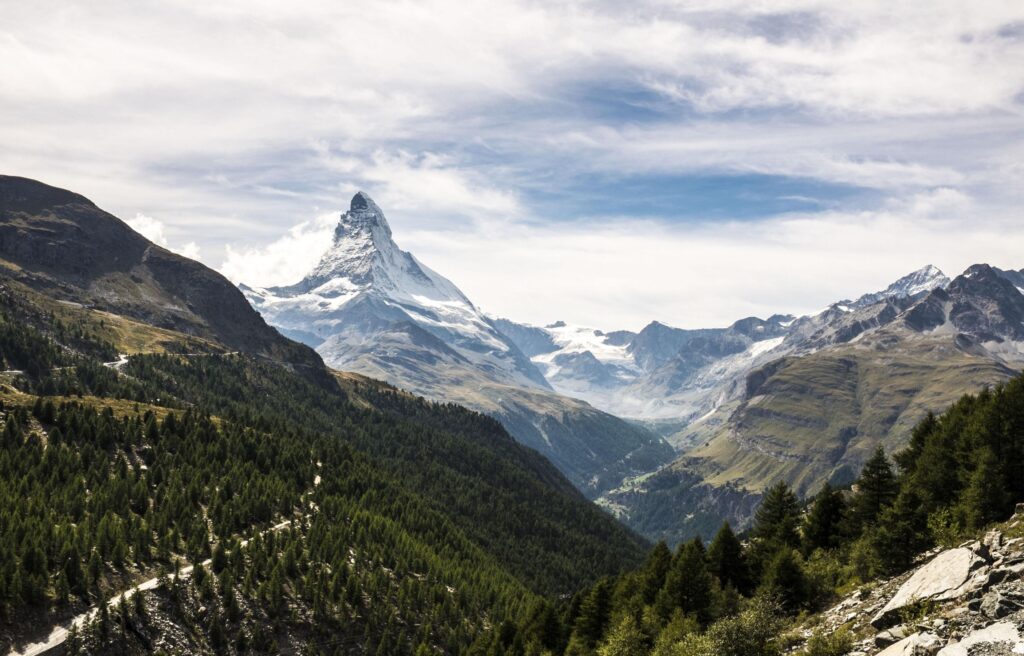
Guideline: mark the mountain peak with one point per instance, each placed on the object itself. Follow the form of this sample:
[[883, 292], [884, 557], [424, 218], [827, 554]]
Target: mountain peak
[[365, 216], [924, 279], [361, 201]]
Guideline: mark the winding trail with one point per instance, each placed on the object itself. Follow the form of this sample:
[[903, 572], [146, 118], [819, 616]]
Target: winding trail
[[59, 634]]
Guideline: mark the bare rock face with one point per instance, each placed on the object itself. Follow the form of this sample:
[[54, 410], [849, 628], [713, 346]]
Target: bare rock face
[[949, 575]]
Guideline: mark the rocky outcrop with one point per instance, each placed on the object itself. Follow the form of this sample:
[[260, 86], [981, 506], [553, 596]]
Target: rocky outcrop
[[949, 575], [963, 601]]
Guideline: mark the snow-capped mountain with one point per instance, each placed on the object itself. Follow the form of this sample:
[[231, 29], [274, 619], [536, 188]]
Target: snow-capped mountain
[[664, 373], [838, 384], [365, 282], [372, 308], [923, 280]]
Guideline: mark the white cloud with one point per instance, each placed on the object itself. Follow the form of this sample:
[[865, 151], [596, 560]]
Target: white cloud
[[284, 260], [190, 250], [428, 184], [232, 120], [148, 227], [623, 273], [154, 230]]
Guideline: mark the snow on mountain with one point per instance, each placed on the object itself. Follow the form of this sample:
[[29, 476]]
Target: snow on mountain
[[365, 282], [579, 340], [923, 280], [664, 372]]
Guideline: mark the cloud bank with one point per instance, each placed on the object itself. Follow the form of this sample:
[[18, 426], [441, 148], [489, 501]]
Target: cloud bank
[[687, 161]]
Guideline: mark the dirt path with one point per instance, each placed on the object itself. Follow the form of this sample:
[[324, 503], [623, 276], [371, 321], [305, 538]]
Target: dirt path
[[59, 633]]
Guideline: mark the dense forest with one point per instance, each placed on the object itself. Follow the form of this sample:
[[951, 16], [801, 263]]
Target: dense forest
[[349, 518]]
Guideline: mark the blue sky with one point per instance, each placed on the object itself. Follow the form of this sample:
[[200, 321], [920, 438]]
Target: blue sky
[[690, 162]]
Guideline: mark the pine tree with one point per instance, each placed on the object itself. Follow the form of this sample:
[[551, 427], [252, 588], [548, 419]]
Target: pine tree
[[625, 639], [784, 580], [901, 532], [655, 569], [775, 527], [688, 585], [876, 489], [822, 529], [220, 558], [593, 614], [726, 560], [776, 519], [985, 497]]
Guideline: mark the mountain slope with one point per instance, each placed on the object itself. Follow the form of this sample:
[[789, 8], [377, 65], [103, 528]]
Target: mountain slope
[[853, 378], [403, 519], [372, 308], [61, 243]]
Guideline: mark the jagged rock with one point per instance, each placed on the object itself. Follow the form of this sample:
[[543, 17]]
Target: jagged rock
[[947, 576], [892, 636], [1001, 632], [918, 644], [996, 606]]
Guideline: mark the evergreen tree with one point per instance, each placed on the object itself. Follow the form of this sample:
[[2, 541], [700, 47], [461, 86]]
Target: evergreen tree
[[777, 517], [876, 489], [625, 639], [784, 580], [985, 497], [688, 585], [822, 529], [726, 560], [655, 569], [593, 614], [901, 532]]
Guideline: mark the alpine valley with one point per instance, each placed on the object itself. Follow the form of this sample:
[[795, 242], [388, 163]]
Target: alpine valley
[[177, 476], [672, 430]]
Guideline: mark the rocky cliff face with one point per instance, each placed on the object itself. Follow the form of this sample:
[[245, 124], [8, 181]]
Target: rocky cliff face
[[963, 601]]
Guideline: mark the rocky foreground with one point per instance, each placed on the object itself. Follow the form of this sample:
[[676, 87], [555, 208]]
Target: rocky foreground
[[963, 601]]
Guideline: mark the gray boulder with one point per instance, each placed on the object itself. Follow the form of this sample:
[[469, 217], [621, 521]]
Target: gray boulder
[[950, 575]]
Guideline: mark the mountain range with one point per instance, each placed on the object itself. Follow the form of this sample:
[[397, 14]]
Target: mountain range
[[802, 399], [672, 430], [371, 308]]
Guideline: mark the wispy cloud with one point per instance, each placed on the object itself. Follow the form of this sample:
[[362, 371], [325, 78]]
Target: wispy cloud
[[482, 126]]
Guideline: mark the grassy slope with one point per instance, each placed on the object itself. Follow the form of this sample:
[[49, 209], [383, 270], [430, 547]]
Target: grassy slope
[[819, 416]]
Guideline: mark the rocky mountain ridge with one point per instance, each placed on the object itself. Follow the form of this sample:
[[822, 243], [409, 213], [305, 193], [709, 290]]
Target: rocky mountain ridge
[[64, 245]]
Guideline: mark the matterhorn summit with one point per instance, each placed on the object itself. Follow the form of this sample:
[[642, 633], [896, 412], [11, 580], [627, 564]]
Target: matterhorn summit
[[363, 257], [364, 284]]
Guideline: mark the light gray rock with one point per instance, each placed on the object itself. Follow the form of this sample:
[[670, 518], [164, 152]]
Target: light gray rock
[[997, 606], [890, 637], [918, 644], [998, 633], [993, 540], [947, 576]]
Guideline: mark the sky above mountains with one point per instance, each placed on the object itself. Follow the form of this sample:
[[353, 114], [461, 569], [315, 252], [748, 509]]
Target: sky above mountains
[[601, 163]]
